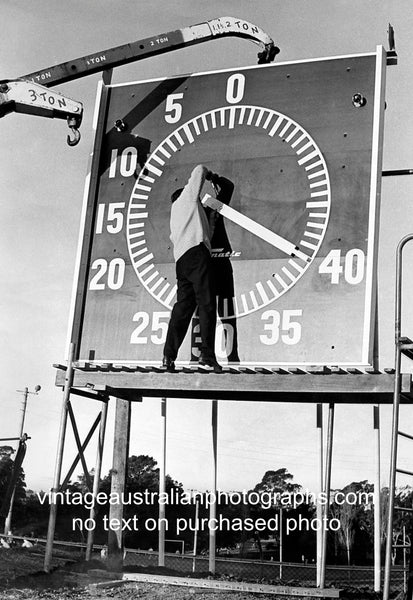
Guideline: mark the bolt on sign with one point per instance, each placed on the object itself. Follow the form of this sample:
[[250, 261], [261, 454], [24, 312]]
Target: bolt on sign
[[301, 143]]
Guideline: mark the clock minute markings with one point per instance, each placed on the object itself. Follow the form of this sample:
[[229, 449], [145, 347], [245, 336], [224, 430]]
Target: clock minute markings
[[299, 255], [142, 258], [255, 228]]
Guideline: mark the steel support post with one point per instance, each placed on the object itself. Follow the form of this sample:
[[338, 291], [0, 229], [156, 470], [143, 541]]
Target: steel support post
[[162, 489], [327, 486], [404, 561], [377, 503], [213, 498], [59, 460], [319, 538], [96, 479], [281, 544], [195, 536], [118, 484]]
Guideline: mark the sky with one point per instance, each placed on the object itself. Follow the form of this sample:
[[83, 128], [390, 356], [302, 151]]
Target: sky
[[41, 191]]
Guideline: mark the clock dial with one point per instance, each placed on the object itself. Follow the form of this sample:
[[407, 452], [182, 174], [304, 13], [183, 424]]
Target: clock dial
[[288, 243]]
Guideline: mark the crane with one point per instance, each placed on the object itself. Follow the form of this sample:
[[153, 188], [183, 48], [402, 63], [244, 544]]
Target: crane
[[30, 93]]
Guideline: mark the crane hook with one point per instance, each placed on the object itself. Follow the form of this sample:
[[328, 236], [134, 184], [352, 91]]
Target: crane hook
[[73, 123], [76, 137]]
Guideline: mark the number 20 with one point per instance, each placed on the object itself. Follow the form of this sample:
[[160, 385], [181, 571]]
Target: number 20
[[112, 274]]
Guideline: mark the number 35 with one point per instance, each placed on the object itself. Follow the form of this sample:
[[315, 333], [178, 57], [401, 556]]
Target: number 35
[[281, 326]]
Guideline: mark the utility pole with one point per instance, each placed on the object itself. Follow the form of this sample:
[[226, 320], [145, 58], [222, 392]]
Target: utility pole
[[25, 392]]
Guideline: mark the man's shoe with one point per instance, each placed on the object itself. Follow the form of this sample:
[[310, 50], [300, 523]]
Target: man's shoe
[[209, 363], [233, 358], [168, 364]]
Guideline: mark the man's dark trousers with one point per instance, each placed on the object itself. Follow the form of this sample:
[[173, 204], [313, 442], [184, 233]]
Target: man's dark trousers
[[193, 273]]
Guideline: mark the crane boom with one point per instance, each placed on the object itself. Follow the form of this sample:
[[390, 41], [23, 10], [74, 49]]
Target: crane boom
[[154, 45], [28, 94]]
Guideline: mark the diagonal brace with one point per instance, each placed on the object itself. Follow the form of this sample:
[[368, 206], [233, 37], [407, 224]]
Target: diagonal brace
[[81, 448]]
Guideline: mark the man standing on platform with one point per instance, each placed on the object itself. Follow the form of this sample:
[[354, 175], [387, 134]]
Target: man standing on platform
[[191, 238]]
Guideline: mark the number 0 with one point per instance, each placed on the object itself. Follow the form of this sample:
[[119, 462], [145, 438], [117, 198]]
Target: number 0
[[354, 266], [235, 88]]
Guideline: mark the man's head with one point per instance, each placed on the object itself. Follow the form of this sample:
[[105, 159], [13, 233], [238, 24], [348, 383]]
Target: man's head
[[176, 194]]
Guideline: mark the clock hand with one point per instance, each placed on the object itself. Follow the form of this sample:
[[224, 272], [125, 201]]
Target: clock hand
[[253, 227]]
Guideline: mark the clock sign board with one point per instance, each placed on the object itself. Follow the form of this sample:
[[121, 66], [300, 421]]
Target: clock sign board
[[295, 278]]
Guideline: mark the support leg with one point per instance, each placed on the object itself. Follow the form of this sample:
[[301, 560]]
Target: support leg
[[162, 489], [119, 472], [96, 479], [327, 487], [213, 503], [377, 509], [321, 486], [59, 460]]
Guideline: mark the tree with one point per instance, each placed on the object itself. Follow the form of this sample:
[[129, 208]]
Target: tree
[[402, 520], [278, 483], [142, 483], [346, 514], [6, 473], [354, 515], [277, 492], [6, 466]]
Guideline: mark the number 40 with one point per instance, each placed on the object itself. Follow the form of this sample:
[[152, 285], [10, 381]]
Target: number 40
[[353, 268]]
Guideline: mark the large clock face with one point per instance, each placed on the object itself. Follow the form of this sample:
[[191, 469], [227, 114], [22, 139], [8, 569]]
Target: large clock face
[[277, 236], [296, 270]]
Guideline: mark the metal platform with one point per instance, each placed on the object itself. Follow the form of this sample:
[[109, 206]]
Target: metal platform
[[321, 384]]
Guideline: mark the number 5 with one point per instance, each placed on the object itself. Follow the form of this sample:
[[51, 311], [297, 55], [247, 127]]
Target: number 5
[[160, 327], [291, 328], [173, 107]]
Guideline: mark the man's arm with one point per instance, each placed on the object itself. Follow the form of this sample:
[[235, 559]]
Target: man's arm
[[196, 181], [223, 187]]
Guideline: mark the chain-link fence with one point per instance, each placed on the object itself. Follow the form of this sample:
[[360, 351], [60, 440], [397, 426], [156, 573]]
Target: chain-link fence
[[270, 571], [286, 573]]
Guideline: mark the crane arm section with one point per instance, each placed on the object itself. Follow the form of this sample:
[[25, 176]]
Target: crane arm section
[[153, 46], [29, 94], [27, 97]]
